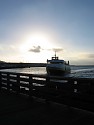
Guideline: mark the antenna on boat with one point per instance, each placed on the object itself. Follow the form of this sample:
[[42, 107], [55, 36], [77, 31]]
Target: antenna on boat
[[55, 53]]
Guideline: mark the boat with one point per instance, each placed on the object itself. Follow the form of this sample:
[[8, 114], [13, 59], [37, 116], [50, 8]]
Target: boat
[[56, 66]]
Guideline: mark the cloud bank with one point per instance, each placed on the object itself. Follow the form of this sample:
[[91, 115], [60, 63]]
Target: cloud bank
[[56, 49], [90, 55], [87, 55], [37, 49]]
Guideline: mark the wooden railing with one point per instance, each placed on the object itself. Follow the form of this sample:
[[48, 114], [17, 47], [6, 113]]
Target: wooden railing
[[78, 92]]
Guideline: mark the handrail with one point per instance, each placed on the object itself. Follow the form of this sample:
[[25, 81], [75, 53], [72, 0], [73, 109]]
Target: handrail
[[60, 89]]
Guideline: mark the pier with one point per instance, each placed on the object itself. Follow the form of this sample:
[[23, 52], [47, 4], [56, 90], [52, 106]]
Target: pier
[[58, 99], [76, 92]]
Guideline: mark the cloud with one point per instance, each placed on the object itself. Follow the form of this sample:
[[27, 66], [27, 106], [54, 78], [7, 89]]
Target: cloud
[[56, 49], [35, 49]]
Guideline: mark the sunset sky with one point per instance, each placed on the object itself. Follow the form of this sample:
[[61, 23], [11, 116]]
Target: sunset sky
[[32, 30]]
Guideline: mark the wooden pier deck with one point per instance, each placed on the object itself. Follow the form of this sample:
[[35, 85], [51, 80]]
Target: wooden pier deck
[[16, 110]]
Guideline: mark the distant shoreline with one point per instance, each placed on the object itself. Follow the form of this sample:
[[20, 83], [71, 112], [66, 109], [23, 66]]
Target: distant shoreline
[[21, 65]]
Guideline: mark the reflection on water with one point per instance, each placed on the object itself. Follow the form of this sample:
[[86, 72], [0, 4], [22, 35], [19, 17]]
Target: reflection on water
[[31, 70], [76, 71]]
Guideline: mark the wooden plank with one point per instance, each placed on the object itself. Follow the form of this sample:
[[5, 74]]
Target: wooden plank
[[4, 85], [24, 79], [42, 82], [24, 91], [24, 85]]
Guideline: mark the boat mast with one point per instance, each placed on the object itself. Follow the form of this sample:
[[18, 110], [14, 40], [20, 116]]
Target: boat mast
[[55, 57], [55, 54]]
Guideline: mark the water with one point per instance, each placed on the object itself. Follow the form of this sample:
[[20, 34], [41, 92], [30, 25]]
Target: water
[[76, 71], [82, 71]]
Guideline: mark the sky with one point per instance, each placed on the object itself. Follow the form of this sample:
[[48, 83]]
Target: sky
[[32, 30]]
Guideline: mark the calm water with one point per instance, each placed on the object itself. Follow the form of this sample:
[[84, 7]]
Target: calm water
[[76, 71]]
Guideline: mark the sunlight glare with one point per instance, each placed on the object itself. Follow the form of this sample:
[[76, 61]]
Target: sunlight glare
[[41, 40]]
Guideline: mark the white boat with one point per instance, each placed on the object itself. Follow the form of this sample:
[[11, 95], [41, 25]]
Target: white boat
[[55, 66]]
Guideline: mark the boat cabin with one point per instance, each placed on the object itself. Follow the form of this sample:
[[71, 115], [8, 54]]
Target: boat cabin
[[55, 60]]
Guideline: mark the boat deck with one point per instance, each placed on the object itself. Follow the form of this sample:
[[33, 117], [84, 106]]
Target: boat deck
[[16, 109]]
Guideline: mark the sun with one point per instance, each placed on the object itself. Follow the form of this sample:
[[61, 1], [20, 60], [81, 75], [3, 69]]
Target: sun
[[34, 41]]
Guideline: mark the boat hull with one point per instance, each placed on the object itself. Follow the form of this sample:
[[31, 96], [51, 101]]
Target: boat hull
[[55, 70]]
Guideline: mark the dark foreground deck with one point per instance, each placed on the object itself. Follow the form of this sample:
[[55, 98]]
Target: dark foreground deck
[[16, 110]]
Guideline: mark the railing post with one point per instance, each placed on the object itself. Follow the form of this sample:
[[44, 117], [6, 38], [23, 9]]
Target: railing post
[[8, 83], [18, 83], [47, 87], [30, 86], [69, 92], [0, 81], [47, 81], [70, 87]]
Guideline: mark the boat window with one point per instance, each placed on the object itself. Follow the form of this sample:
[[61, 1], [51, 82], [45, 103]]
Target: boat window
[[54, 58], [48, 62]]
